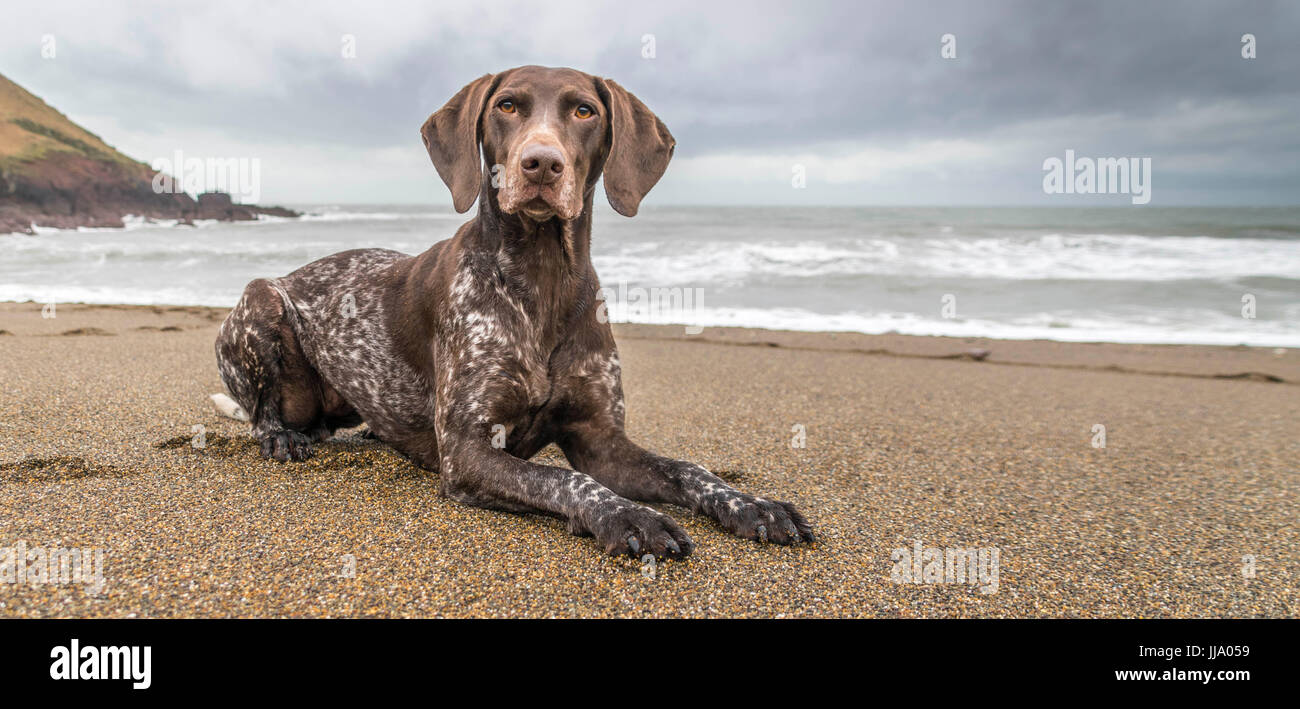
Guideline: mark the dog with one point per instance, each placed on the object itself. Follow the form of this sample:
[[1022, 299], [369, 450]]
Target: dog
[[474, 355]]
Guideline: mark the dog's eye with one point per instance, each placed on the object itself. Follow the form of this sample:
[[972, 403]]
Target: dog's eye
[[584, 111], [506, 105]]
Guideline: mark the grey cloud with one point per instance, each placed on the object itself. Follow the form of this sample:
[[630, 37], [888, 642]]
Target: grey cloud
[[727, 77]]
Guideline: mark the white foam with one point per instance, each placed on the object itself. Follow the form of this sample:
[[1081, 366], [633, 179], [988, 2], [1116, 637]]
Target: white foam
[[1048, 257], [1219, 331]]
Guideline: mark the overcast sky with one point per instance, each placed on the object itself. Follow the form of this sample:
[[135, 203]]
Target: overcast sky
[[855, 92]]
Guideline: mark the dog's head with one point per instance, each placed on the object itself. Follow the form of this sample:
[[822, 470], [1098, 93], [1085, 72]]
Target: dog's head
[[546, 136]]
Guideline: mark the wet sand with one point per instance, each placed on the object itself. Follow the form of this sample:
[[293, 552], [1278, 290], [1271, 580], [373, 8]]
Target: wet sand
[[907, 439]]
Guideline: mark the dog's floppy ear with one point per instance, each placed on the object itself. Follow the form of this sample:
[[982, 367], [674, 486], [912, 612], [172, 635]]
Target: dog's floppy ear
[[451, 135], [640, 148]]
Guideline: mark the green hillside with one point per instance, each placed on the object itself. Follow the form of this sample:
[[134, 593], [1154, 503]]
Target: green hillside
[[30, 130]]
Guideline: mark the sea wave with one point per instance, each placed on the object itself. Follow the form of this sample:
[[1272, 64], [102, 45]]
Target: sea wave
[[1211, 330], [134, 222], [802, 270], [1104, 257], [344, 216], [1203, 328]]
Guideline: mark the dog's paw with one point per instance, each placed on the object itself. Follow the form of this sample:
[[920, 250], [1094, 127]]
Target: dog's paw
[[635, 530], [285, 446], [762, 520]]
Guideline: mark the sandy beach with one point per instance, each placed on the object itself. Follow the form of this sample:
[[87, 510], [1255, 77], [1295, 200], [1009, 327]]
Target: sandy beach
[[1189, 510]]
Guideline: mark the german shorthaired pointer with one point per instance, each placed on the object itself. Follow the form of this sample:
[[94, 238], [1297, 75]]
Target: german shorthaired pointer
[[472, 356]]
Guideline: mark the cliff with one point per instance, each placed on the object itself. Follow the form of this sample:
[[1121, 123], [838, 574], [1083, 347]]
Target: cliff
[[55, 173]]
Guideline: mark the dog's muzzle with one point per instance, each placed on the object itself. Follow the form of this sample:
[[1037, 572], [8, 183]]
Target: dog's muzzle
[[540, 184]]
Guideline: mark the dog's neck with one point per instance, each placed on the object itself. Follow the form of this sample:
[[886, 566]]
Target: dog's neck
[[545, 265]]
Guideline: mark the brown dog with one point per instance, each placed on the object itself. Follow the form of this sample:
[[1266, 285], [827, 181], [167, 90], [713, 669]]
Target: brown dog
[[474, 355]]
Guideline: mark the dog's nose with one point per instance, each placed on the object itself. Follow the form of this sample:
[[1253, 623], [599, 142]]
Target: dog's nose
[[542, 164]]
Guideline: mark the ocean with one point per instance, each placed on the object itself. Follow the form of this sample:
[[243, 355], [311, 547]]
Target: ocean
[[1147, 274]]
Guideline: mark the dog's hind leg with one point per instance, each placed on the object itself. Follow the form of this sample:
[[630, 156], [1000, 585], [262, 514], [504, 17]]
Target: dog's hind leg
[[266, 373]]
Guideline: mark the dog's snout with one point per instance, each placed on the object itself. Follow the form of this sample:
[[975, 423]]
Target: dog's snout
[[542, 164]]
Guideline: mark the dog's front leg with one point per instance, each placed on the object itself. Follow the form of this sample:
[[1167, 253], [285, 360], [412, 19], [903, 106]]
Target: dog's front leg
[[631, 471], [478, 474]]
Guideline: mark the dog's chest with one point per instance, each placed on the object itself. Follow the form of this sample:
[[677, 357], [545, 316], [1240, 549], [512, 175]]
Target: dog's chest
[[505, 320], [498, 355]]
